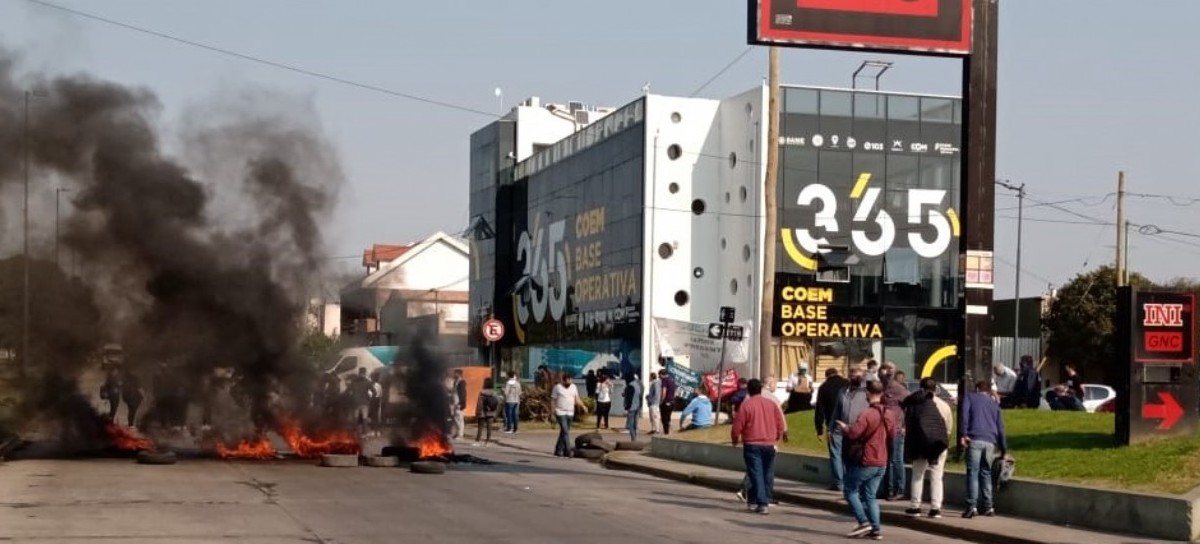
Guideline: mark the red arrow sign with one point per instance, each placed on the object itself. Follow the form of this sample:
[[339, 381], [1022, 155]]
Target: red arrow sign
[[1169, 411]]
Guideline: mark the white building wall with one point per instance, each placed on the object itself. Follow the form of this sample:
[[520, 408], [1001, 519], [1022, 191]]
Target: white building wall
[[438, 266]]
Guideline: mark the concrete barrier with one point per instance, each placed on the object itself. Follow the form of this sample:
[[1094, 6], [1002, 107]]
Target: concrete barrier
[[1153, 515]]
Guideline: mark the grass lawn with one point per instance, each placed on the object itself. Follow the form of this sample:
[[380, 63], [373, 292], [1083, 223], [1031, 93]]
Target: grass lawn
[[1060, 446]]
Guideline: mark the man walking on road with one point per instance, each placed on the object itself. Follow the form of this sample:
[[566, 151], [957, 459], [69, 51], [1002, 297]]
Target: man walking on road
[[565, 398], [458, 388], [928, 420], [760, 425], [827, 402], [894, 392], [982, 432], [653, 402], [866, 443]]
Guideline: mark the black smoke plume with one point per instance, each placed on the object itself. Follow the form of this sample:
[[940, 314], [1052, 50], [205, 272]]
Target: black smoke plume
[[200, 260], [427, 411]]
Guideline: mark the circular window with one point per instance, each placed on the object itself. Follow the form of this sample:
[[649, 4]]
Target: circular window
[[698, 206], [698, 272], [674, 151], [723, 244], [681, 298], [665, 250], [743, 193], [673, 187], [733, 160], [746, 253], [733, 286], [727, 197], [675, 117]]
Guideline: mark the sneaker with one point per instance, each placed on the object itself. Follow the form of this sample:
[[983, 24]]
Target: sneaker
[[476, 444], [875, 535], [970, 513], [935, 513], [751, 508], [859, 530], [762, 510], [914, 512], [990, 512], [741, 496]]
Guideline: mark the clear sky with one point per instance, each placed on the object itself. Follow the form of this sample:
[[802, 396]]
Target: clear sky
[[1087, 88]]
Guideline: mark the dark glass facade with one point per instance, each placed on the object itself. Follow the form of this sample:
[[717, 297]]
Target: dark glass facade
[[868, 249]]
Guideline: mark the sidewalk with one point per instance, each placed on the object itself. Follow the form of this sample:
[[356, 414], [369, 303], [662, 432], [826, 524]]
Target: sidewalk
[[997, 530]]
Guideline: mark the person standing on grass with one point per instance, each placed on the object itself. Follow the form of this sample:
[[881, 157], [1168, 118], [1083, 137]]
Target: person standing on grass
[[603, 400], [1074, 381], [827, 402], [633, 404], [799, 390], [565, 398], [929, 421], [1027, 391], [486, 408], [866, 443], [512, 403], [760, 426], [653, 403], [894, 392], [982, 432], [668, 399]]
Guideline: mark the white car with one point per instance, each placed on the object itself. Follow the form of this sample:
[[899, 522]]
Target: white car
[[1093, 396]]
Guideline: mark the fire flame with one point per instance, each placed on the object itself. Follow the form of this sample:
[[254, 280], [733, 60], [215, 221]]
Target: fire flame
[[247, 449], [433, 445], [124, 439], [309, 447]]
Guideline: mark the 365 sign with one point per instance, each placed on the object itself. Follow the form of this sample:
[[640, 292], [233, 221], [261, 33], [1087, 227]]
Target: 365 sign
[[913, 26], [1165, 329]]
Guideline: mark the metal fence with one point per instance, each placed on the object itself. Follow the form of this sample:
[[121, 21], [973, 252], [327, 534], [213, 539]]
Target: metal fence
[[1002, 349]]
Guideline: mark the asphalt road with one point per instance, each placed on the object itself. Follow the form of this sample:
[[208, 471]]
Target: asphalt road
[[525, 498]]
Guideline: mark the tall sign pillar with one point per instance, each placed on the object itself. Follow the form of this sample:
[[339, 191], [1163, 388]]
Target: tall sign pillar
[[1158, 390]]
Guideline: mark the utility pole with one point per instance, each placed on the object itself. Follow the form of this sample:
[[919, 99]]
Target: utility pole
[[1121, 229], [767, 312], [25, 255], [1020, 189]]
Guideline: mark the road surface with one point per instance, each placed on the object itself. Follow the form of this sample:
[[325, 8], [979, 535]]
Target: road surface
[[524, 498]]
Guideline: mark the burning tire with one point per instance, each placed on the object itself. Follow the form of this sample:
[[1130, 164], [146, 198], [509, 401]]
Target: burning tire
[[428, 467], [156, 458], [587, 439], [339, 460], [630, 446], [383, 461], [590, 454]]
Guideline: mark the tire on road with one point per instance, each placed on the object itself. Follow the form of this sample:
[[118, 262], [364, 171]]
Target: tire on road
[[626, 445], [339, 460], [602, 445], [383, 461], [590, 454], [586, 439], [428, 467], [156, 458]]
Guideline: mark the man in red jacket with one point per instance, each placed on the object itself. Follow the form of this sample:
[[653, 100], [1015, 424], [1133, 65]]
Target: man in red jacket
[[759, 424], [867, 442]]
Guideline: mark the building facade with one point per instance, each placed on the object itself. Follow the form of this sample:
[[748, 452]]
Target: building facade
[[618, 242]]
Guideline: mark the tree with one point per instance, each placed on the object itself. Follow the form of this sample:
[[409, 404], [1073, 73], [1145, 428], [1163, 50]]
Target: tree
[[1079, 325], [320, 350], [64, 324]]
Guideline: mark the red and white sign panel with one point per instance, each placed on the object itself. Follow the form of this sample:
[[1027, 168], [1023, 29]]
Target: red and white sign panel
[[898, 26], [1165, 330], [493, 330]]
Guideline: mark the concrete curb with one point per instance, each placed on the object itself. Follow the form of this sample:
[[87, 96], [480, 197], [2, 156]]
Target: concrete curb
[[627, 461]]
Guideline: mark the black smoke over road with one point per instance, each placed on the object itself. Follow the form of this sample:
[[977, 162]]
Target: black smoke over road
[[201, 258]]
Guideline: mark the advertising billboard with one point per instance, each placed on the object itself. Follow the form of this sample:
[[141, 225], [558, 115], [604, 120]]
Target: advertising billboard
[[1165, 328], [898, 26]]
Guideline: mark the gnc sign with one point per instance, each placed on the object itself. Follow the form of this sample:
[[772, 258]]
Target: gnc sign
[[1167, 328]]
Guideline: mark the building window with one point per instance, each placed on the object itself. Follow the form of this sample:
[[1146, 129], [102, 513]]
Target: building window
[[674, 151], [665, 250], [681, 298], [743, 193], [733, 286], [673, 187], [676, 117], [698, 272], [698, 206], [733, 160]]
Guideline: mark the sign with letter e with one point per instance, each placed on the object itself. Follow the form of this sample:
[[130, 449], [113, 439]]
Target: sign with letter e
[[1164, 328], [895, 26]]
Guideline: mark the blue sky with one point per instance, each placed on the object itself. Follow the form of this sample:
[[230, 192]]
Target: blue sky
[[1087, 88]]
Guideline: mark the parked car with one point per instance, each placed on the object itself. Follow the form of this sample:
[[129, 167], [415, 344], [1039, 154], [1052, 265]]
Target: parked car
[[1094, 395]]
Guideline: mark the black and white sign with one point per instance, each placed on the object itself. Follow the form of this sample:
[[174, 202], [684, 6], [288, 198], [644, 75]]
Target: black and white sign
[[728, 314], [730, 332]]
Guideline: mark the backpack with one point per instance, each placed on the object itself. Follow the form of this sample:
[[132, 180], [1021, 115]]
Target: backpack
[[856, 450], [490, 405]]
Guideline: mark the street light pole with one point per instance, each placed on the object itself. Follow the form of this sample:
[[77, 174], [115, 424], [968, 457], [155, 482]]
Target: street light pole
[[25, 253], [1020, 189]]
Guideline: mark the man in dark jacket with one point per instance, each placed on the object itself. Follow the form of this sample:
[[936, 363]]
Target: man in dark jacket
[[982, 434], [1027, 392], [667, 405], [928, 420], [894, 392], [827, 401]]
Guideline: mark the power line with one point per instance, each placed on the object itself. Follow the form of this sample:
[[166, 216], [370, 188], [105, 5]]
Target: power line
[[1056, 221], [1081, 200], [722, 71], [1024, 271], [1181, 201], [265, 62]]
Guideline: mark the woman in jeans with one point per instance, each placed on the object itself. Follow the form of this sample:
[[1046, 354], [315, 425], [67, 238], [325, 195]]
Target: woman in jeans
[[603, 400]]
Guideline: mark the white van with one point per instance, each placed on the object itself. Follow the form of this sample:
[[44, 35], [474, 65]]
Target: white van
[[372, 358]]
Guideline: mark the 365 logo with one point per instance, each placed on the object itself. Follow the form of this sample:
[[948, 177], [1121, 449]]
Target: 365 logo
[[930, 229], [542, 289]]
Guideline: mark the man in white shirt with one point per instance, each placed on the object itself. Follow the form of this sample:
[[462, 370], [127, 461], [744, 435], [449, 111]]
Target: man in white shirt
[[512, 403], [565, 398], [1004, 378], [653, 400]]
